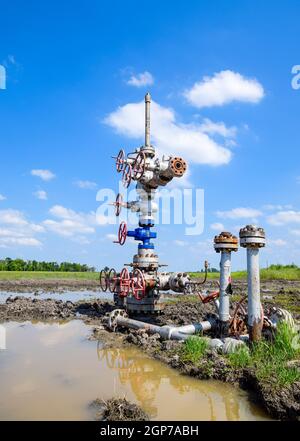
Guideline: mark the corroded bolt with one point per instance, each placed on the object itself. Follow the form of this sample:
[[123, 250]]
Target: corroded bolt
[[225, 241], [252, 236]]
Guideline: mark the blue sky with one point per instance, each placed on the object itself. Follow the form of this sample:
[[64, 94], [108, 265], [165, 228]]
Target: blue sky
[[70, 69]]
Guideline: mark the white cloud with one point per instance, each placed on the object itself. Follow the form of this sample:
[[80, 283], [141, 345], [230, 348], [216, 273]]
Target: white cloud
[[169, 135], [141, 80], [277, 242], [284, 217], [70, 223], [86, 185], [180, 243], [16, 230], [45, 175], [41, 194], [217, 226], [239, 213], [295, 232], [272, 207], [2, 197], [218, 128], [222, 88], [111, 236]]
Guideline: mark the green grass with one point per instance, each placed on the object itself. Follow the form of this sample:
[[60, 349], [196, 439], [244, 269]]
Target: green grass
[[270, 359], [193, 349], [275, 272], [18, 275]]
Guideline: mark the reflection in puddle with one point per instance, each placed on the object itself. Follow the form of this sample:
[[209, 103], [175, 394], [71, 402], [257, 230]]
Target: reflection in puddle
[[53, 372]]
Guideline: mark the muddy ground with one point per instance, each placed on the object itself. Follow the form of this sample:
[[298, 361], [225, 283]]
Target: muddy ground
[[283, 404], [48, 285]]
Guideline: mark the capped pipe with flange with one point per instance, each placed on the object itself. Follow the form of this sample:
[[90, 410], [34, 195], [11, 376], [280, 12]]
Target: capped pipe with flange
[[253, 238], [225, 243]]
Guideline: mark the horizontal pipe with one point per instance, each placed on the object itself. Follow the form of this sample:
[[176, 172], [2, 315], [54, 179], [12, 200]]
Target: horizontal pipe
[[166, 332]]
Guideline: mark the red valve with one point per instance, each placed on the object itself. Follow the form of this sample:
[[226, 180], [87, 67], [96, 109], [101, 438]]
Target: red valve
[[139, 166], [120, 161], [127, 175], [122, 234], [124, 283], [103, 280], [112, 280], [213, 295], [138, 284], [118, 204]]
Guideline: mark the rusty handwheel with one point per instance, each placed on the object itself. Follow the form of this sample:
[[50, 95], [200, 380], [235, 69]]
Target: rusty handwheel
[[103, 278], [139, 166], [120, 161], [124, 283], [127, 175], [138, 284], [112, 280]]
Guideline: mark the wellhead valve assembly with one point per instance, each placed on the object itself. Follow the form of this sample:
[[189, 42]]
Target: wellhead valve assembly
[[139, 289]]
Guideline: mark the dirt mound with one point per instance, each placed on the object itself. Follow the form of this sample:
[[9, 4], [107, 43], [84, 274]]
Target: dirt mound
[[21, 309], [118, 409]]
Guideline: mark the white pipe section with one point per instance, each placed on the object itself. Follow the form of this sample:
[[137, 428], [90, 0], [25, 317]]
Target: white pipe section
[[147, 120], [254, 304], [166, 332], [225, 272]]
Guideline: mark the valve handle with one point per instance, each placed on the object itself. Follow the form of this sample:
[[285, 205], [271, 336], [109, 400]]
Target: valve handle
[[118, 204], [120, 161], [112, 280], [122, 234], [127, 175], [124, 283], [103, 278], [139, 166], [138, 284]]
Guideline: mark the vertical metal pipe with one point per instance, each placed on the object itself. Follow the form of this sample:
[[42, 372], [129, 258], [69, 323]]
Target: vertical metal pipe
[[225, 272], [147, 119], [254, 304], [253, 238], [225, 244]]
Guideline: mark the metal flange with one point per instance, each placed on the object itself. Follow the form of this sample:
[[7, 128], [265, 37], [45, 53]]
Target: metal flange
[[113, 318], [252, 236], [225, 241]]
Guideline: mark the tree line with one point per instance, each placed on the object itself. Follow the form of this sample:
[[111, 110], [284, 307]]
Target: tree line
[[33, 265]]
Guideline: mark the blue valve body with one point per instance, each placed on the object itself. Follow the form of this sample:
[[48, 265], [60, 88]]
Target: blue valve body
[[143, 234]]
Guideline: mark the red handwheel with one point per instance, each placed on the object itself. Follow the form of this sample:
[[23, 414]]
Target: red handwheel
[[139, 166], [120, 161], [127, 175], [138, 284], [122, 234], [124, 283]]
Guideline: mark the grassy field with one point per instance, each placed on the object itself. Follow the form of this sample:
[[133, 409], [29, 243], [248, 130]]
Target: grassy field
[[276, 272], [17, 275], [284, 273]]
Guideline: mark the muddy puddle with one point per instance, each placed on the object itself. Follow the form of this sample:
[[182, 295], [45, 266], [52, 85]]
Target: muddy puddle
[[52, 372], [71, 296]]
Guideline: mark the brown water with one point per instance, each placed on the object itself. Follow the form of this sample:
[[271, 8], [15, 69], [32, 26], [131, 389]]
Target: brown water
[[53, 372]]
